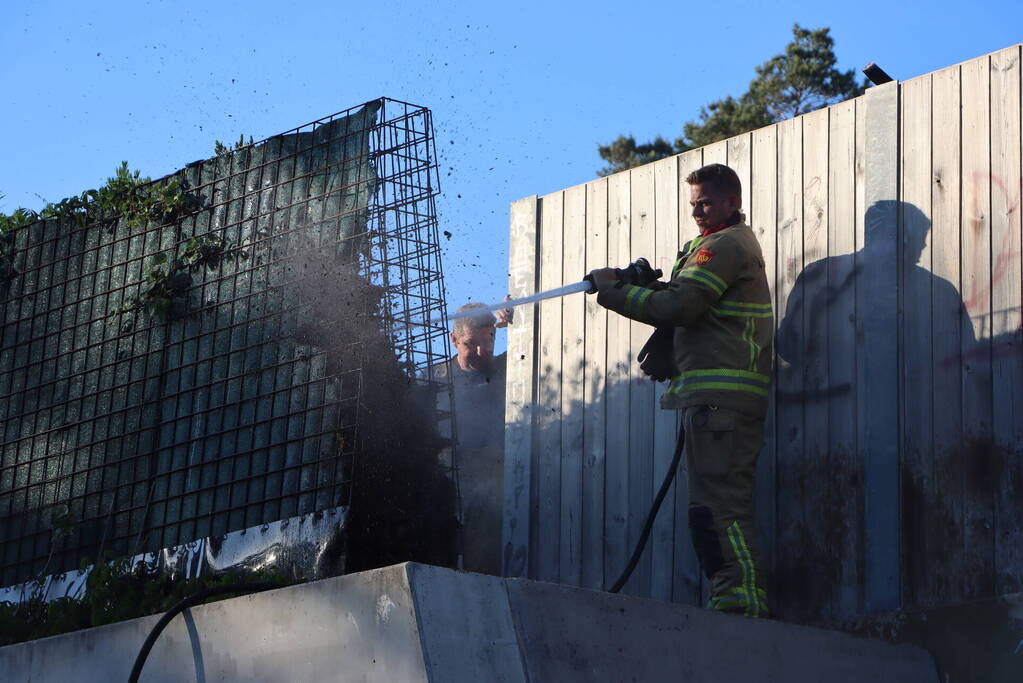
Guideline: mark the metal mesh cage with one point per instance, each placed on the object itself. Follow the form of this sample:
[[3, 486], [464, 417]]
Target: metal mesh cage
[[236, 401]]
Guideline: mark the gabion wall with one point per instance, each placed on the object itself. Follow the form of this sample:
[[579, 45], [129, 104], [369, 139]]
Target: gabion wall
[[126, 431]]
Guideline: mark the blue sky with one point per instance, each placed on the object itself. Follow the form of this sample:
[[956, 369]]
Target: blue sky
[[522, 92]]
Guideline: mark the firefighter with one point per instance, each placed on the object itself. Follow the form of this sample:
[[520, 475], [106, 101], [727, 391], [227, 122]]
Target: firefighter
[[714, 343]]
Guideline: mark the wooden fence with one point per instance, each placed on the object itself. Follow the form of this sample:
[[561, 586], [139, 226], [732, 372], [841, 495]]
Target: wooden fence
[[891, 474]]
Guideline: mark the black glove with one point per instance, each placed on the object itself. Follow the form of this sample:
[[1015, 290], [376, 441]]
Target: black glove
[[639, 273], [657, 357]]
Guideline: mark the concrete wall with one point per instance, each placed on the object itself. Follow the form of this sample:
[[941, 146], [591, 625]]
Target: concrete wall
[[975, 642], [419, 623]]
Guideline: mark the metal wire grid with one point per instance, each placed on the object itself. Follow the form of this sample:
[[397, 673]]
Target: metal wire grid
[[130, 433]]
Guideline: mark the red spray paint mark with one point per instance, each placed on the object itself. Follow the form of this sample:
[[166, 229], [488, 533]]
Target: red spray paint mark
[[1006, 253]]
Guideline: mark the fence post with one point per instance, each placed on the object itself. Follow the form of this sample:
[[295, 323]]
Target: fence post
[[877, 351], [520, 392]]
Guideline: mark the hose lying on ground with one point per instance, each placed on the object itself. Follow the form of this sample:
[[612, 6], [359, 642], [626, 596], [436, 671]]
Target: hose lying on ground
[[191, 600]]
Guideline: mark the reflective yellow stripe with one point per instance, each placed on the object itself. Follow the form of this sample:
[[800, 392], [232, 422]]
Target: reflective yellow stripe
[[720, 378], [737, 597], [740, 314], [754, 350], [678, 264], [708, 386], [705, 277], [635, 301], [749, 572], [713, 276], [727, 372], [630, 298], [752, 565], [747, 598], [686, 252], [742, 309], [752, 377], [744, 306], [641, 303]]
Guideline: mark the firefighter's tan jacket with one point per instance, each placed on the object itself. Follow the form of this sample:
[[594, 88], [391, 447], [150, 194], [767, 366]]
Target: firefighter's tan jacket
[[719, 303]]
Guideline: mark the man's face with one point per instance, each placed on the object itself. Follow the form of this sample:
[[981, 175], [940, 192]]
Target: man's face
[[475, 347], [710, 207]]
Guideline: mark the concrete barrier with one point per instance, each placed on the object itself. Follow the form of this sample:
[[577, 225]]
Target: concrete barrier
[[972, 642], [418, 623]]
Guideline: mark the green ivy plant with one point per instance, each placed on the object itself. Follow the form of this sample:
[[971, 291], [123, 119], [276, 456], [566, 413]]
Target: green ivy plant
[[126, 196], [158, 290], [8, 271], [219, 148], [129, 197], [167, 281], [18, 219], [209, 251], [8, 224], [114, 591]]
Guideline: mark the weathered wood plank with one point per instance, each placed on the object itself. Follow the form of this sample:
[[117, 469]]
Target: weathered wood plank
[[520, 390], [716, 153], [573, 388], [818, 522], [861, 219], [663, 537], [793, 572], [1007, 344], [877, 357], [844, 475], [917, 488], [596, 407], [548, 423], [616, 491], [641, 389], [763, 221], [740, 159], [861, 172], [945, 533], [687, 163], [977, 454], [688, 585]]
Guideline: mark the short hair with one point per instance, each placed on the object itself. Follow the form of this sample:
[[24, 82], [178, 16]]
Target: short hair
[[718, 176], [475, 321]]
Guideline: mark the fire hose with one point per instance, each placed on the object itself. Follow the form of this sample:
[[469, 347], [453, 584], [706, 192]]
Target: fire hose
[[193, 599], [640, 273]]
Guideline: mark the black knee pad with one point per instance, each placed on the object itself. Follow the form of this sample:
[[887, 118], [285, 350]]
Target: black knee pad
[[705, 541]]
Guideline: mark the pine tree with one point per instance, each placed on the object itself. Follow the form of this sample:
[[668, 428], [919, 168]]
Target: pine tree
[[800, 80]]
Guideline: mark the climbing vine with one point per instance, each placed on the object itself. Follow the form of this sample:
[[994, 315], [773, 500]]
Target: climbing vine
[[126, 196], [114, 591], [168, 280], [8, 271], [137, 201], [219, 148], [8, 224]]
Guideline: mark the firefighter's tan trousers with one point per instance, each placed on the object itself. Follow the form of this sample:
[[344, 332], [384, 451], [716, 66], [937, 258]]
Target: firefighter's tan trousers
[[721, 448]]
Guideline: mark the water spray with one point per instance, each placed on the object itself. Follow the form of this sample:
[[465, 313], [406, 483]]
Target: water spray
[[638, 272], [582, 286]]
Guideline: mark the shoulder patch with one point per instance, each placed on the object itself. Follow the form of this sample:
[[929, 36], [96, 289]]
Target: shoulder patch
[[704, 256]]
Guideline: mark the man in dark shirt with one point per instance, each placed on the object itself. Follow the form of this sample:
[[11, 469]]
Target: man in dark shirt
[[478, 378]]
